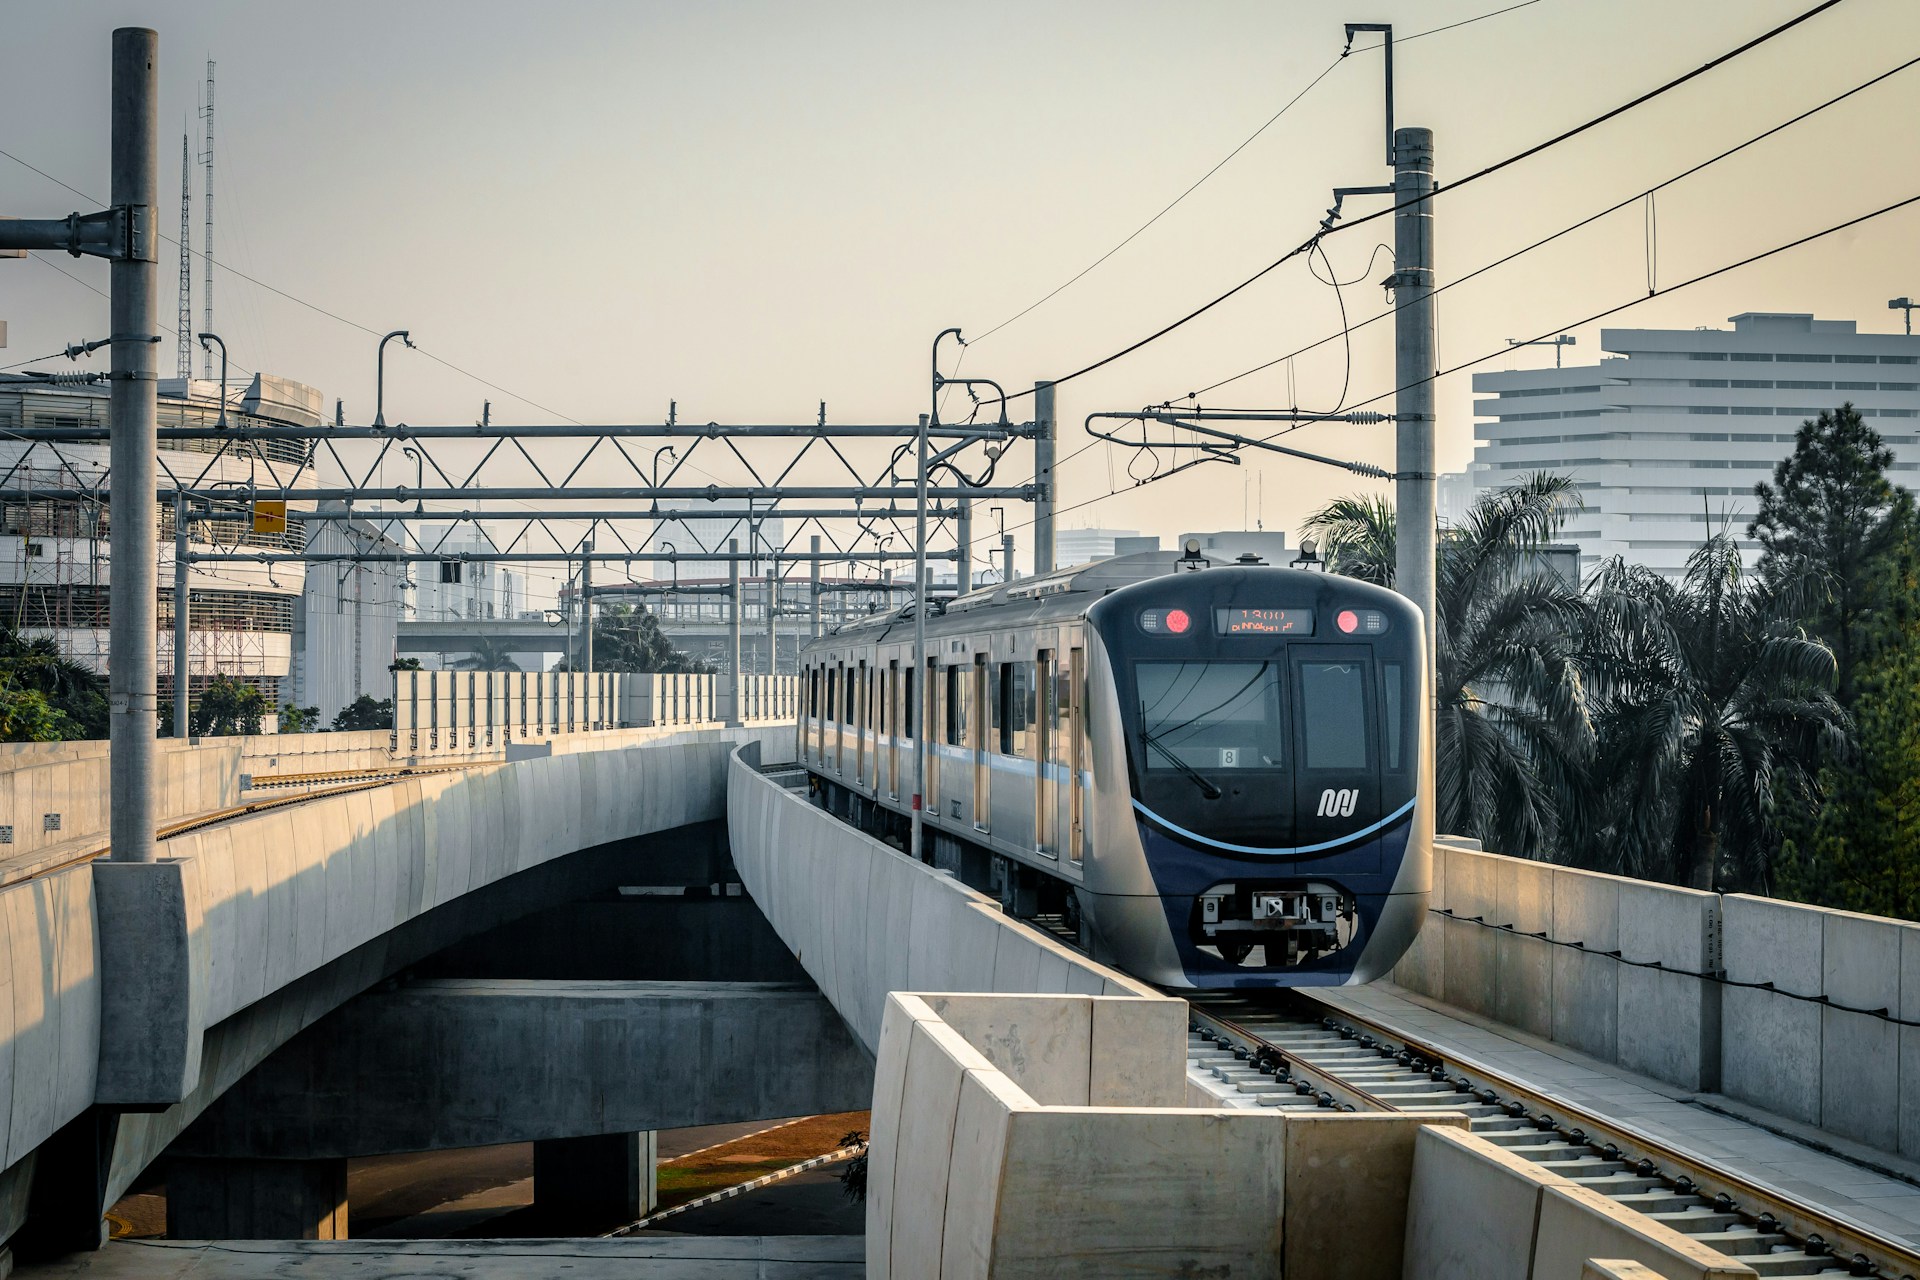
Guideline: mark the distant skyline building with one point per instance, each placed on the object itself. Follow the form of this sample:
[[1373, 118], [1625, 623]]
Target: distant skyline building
[[349, 615], [1078, 546], [1666, 440], [695, 532]]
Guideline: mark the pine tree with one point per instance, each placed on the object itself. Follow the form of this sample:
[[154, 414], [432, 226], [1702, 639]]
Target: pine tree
[[1828, 527], [1861, 852]]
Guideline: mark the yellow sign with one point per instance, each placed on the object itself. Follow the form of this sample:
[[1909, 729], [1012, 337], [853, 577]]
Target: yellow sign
[[270, 517]]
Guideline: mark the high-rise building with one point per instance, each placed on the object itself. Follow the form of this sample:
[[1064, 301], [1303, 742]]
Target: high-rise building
[[1666, 440], [55, 549]]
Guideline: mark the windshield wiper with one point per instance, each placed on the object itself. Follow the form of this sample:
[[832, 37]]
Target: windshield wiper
[[1207, 788]]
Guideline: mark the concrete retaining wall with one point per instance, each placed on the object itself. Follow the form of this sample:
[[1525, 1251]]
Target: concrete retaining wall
[[865, 919], [465, 1063], [1790, 1007]]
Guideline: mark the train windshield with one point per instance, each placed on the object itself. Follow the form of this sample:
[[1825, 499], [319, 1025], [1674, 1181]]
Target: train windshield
[[1201, 717]]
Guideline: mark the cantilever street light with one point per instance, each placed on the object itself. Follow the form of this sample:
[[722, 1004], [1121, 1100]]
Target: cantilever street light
[[205, 339], [380, 376]]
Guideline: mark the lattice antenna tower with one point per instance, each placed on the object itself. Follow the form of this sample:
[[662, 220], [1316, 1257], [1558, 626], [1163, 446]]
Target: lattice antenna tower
[[206, 283], [183, 326]]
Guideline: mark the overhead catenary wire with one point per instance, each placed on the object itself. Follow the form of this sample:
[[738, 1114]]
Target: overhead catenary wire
[[1475, 176], [1662, 292], [1589, 220], [1225, 160]]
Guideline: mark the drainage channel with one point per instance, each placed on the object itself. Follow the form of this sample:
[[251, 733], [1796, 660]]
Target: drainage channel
[[1295, 1054]]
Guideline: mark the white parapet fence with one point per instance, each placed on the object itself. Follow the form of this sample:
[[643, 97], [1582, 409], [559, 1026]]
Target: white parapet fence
[[472, 710]]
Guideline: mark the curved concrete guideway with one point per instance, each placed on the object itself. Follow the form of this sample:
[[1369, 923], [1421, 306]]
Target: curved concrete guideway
[[129, 985]]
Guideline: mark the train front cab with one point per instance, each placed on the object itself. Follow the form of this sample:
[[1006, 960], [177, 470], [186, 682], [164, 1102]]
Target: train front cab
[[1269, 737]]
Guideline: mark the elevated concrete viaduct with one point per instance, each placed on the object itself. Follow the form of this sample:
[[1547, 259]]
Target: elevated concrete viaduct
[[139, 993]]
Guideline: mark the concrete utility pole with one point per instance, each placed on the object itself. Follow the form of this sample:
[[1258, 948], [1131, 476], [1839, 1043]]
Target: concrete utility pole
[[923, 683], [132, 687], [180, 604], [1006, 557], [1414, 370], [1043, 477], [733, 631], [816, 586]]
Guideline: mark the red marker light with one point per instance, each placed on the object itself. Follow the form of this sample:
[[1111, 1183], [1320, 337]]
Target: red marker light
[[1348, 621], [1178, 621]]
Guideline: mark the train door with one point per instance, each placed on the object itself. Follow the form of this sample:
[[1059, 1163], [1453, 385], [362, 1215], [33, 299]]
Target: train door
[[981, 736], [859, 719], [832, 711], [1045, 795], [1076, 748], [1337, 760], [931, 728]]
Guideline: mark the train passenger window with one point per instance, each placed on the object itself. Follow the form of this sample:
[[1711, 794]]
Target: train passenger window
[[956, 720], [846, 687], [906, 699], [1392, 676], [1202, 716], [1333, 714], [831, 704]]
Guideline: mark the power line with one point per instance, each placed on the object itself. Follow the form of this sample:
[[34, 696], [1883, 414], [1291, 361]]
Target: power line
[[1575, 226], [1488, 170], [1138, 231], [1559, 328], [1270, 122]]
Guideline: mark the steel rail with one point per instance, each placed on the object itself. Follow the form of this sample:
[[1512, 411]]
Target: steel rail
[[1848, 1247]]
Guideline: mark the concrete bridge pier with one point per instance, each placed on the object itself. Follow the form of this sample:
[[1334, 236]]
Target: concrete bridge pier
[[247, 1199], [605, 1175]]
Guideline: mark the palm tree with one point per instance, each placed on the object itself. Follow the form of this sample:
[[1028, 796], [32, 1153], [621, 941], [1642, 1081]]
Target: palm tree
[[489, 653], [1511, 728], [1712, 708], [1356, 537]]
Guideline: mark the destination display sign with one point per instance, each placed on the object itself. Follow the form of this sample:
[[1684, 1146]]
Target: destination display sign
[[1262, 622]]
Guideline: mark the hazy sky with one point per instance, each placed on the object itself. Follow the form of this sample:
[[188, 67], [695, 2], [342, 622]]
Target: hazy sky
[[753, 207]]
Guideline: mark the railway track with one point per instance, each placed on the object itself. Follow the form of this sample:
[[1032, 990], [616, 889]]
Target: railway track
[[1283, 1049], [1291, 1052]]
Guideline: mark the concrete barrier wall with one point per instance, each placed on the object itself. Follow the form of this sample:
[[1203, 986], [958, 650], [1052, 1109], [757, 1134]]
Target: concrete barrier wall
[[1479, 1212], [865, 919], [1794, 1008], [1045, 1135], [1603, 964], [55, 793], [276, 896]]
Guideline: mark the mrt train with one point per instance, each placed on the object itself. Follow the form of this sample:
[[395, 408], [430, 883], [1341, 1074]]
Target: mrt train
[[1215, 775]]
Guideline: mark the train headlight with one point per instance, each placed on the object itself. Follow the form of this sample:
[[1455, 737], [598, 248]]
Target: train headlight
[[1178, 621]]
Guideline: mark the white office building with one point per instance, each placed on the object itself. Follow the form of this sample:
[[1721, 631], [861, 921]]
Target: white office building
[[1667, 437], [55, 542], [348, 615]]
